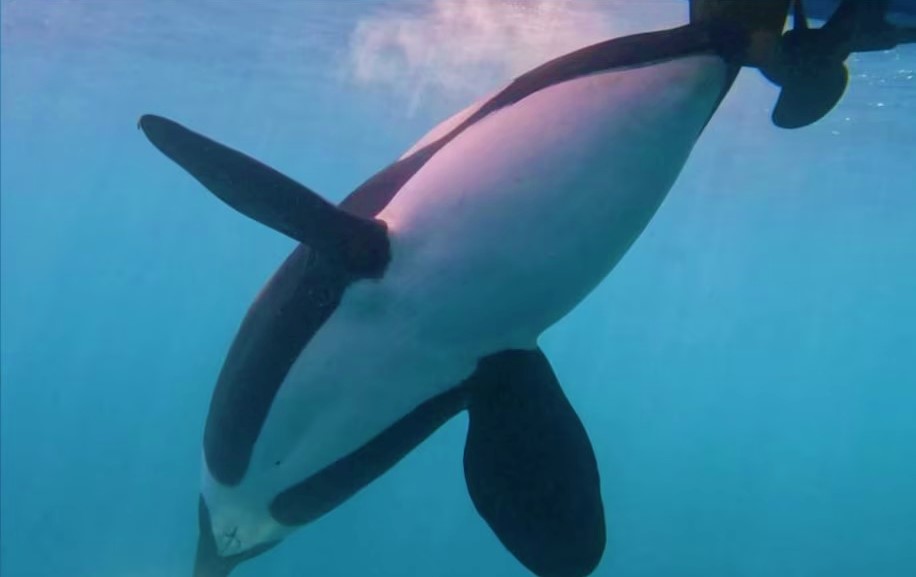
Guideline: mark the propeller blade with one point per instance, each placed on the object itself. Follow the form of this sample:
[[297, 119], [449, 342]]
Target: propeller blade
[[805, 100], [853, 15], [861, 26], [906, 36], [799, 18]]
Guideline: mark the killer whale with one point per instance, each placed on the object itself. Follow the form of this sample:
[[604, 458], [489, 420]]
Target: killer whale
[[424, 292], [530, 467]]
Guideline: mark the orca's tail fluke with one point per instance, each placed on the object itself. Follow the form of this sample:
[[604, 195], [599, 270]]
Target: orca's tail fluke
[[755, 16], [809, 64], [762, 21]]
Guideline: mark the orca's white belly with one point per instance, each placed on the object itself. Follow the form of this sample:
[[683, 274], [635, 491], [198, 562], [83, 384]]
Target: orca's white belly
[[498, 236], [522, 214]]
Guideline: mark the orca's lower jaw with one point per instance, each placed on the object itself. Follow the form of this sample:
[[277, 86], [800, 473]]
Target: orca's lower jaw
[[208, 562]]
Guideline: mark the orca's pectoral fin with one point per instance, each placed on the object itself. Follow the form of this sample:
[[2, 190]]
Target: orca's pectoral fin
[[530, 468], [262, 193]]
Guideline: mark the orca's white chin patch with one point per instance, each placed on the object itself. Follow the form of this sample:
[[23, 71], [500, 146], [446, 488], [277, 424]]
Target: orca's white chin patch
[[236, 531], [239, 517]]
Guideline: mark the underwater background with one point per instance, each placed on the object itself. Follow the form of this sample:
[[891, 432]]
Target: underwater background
[[747, 374]]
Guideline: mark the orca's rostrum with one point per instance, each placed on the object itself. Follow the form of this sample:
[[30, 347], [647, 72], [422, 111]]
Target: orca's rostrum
[[424, 292]]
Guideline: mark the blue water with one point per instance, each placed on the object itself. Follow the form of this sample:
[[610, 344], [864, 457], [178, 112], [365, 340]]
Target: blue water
[[746, 374]]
